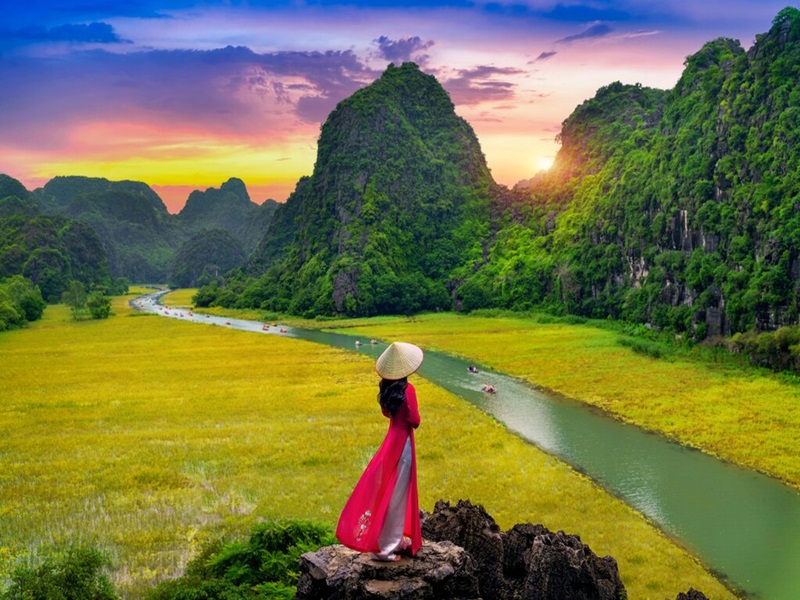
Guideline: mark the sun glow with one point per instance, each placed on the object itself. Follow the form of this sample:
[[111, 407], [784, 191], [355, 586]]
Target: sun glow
[[544, 163]]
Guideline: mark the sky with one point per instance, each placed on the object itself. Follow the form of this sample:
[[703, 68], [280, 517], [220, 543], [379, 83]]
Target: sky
[[184, 94]]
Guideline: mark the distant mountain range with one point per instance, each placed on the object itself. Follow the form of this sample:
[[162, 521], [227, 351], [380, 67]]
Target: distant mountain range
[[679, 209], [142, 241]]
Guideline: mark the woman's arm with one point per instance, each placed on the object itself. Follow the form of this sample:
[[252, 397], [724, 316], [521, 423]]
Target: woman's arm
[[413, 409]]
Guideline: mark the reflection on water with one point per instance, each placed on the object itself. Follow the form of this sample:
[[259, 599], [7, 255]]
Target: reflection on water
[[742, 524]]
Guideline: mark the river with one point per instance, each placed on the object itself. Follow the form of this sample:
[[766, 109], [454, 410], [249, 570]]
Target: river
[[742, 524]]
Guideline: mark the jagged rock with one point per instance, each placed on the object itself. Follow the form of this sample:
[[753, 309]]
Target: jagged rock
[[439, 571], [561, 566], [528, 561], [692, 594], [466, 556], [472, 528]]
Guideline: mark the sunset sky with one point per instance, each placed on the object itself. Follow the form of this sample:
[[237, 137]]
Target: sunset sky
[[183, 94]]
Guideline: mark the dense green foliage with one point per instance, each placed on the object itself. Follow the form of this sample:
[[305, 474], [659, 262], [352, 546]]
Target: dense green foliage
[[11, 205], [778, 350], [51, 251], [10, 187], [20, 302], [395, 213], [205, 256], [263, 567], [138, 233], [679, 209], [95, 305], [76, 575]]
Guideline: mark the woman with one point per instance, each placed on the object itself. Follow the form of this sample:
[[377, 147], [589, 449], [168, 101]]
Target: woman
[[384, 508]]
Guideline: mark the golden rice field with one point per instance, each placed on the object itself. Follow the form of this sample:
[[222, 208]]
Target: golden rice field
[[745, 417], [149, 436]]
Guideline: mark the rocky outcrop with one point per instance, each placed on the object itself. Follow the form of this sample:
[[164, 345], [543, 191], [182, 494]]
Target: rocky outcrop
[[439, 571], [467, 556], [477, 532], [692, 594], [528, 561]]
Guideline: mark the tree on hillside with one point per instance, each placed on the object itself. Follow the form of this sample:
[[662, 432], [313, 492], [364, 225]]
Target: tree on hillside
[[50, 269], [27, 295], [99, 305], [119, 287], [20, 302], [75, 298], [94, 304]]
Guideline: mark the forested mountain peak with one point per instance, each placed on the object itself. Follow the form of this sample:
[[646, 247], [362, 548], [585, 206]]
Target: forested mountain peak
[[12, 187], [15, 198], [229, 208], [140, 237], [236, 186], [783, 35], [403, 97], [60, 191], [232, 193], [405, 111], [398, 202], [700, 69], [589, 134], [683, 211]]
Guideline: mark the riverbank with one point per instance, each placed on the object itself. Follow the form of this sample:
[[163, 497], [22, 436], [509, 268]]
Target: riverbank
[[149, 437], [748, 418]]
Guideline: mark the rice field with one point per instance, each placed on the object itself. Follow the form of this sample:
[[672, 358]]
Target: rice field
[[148, 437]]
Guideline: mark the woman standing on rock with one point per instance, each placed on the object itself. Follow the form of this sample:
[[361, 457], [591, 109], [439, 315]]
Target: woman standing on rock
[[384, 507]]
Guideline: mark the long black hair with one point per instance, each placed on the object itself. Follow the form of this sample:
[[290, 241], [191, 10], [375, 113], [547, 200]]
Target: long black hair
[[392, 394]]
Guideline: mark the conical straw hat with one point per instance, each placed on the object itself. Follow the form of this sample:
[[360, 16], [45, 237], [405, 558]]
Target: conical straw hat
[[399, 360]]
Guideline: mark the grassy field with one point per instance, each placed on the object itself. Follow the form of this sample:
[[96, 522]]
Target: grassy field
[[149, 436]]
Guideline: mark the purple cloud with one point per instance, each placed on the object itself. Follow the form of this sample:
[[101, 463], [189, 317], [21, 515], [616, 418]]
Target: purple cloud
[[597, 30], [474, 86], [230, 89], [403, 50], [544, 56], [76, 33]]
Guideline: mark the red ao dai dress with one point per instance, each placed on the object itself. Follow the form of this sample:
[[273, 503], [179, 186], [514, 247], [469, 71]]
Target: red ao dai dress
[[384, 506]]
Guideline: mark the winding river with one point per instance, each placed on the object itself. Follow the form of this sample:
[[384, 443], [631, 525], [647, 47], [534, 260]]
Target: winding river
[[742, 524]]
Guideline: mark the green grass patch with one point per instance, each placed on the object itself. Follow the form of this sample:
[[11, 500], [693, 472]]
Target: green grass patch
[[181, 298], [149, 437], [644, 347]]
